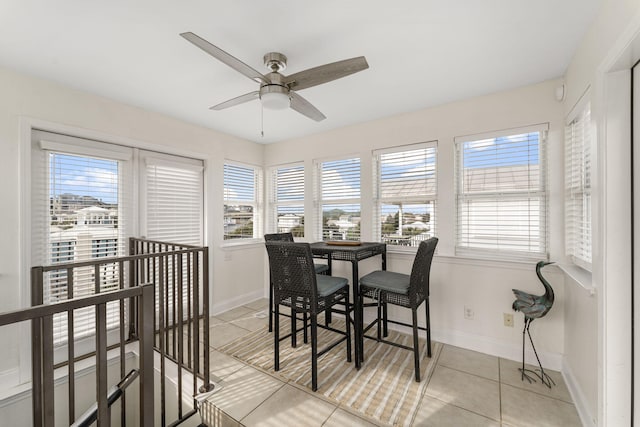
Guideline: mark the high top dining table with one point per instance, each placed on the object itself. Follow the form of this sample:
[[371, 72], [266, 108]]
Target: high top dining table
[[353, 252]]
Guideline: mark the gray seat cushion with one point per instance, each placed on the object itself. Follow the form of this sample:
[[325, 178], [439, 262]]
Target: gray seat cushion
[[329, 284], [320, 268], [387, 281]]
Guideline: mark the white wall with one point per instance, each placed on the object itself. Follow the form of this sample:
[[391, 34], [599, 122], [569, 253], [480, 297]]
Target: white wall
[[485, 286], [30, 100], [605, 381]]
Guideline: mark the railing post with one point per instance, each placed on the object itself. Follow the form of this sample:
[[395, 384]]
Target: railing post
[[71, 350], [101, 365], [36, 348], [133, 279], [207, 386], [145, 321]]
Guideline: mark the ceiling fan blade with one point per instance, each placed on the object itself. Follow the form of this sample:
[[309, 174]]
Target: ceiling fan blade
[[236, 101], [223, 56], [326, 73], [305, 108]]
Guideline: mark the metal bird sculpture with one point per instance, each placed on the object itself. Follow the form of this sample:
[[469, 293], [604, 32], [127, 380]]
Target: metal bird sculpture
[[534, 307]]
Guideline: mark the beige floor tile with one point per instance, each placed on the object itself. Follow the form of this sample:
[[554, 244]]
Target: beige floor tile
[[243, 391], [259, 304], [290, 407], [435, 413], [213, 416], [213, 321], [472, 362], [234, 314], [251, 323], [526, 409], [510, 375], [224, 333], [466, 391], [222, 365], [342, 418]]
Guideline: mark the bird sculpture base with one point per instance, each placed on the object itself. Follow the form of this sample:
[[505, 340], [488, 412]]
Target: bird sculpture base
[[542, 375]]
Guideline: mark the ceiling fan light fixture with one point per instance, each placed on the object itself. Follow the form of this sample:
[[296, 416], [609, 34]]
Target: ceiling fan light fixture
[[275, 97]]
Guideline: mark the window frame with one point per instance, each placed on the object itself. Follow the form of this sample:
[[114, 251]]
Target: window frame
[[540, 193], [256, 203], [421, 198]]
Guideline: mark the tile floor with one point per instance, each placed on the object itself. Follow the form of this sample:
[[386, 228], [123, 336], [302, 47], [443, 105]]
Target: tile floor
[[467, 388]]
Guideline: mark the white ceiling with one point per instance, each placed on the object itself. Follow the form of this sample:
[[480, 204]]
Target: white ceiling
[[421, 53]]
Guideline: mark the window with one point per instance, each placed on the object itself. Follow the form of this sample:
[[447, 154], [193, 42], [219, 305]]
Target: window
[[405, 194], [172, 194], [339, 201], [80, 210], [501, 195], [577, 182], [286, 213], [83, 207], [242, 190]]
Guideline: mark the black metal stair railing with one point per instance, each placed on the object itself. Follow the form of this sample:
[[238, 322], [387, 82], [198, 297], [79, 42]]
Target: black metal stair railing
[[116, 392], [41, 317], [179, 277], [180, 274]]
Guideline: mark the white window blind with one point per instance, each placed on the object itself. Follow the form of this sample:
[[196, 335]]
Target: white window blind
[[242, 201], [286, 212], [172, 191], [405, 194], [501, 195], [339, 199], [578, 189], [174, 199], [80, 210]]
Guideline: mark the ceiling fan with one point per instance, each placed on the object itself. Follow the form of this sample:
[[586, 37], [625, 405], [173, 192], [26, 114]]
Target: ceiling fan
[[278, 91]]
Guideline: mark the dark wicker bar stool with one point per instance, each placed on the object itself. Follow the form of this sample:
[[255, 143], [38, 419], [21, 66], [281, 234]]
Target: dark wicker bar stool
[[296, 284], [387, 287], [320, 269]]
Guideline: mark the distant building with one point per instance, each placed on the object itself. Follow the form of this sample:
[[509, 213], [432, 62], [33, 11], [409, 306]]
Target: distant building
[[94, 234], [288, 221]]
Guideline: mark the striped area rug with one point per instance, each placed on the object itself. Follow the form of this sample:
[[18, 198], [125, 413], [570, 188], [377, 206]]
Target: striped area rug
[[383, 389]]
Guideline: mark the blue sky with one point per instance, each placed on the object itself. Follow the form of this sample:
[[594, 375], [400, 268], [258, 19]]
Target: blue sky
[[503, 151], [83, 176]]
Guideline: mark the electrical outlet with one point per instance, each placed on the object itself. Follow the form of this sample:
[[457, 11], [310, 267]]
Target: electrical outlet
[[468, 312], [508, 319]]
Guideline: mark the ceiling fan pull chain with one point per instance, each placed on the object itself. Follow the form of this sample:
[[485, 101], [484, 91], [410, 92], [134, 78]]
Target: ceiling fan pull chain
[[262, 121]]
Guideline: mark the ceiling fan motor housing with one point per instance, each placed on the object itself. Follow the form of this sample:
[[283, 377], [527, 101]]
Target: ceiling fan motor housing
[[275, 61]]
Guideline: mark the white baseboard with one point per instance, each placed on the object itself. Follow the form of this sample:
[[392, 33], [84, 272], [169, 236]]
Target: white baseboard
[[229, 304], [10, 377], [586, 416], [9, 380]]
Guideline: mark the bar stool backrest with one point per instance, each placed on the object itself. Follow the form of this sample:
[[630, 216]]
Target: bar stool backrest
[[293, 274], [419, 281], [278, 237]]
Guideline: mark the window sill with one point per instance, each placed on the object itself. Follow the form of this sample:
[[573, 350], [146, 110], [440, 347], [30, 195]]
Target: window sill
[[241, 244], [579, 275], [470, 261]]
